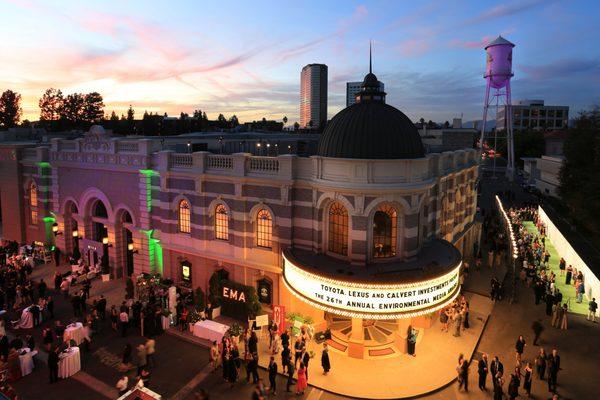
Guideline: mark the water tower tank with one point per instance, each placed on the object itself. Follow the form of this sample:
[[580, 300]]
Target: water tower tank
[[498, 68]]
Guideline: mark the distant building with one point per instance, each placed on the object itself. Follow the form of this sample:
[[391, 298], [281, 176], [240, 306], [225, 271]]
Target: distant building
[[353, 88], [447, 139], [543, 173], [533, 114], [313, 95]]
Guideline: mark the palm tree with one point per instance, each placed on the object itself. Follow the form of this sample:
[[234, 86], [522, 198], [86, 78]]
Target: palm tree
[[285, 120]]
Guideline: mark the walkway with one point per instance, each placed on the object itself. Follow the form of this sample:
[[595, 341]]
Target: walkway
[[403, 376], [568, 291]]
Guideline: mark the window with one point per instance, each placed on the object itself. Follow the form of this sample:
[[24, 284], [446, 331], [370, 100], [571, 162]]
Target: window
[[184, 217], [33, 202], [100, 210], [338, 229], [385, 224], [221, 222], [264, 229]]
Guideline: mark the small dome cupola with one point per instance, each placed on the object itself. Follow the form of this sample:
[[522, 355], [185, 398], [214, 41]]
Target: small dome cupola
[[370, 90]]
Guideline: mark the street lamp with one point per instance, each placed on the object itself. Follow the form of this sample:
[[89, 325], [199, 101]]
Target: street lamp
[[131, 249], [55, 229]]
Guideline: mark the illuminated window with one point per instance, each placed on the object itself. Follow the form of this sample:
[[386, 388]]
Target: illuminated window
[[385, 227], [33, 202], [221, 222], [184, 217], [264, 228], [338, 229]]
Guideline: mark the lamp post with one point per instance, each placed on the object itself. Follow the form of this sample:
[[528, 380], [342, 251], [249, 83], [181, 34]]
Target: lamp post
[[105, 246], [76, 239], [55, 230]]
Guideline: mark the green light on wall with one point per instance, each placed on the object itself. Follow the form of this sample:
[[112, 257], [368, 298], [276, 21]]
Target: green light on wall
[[48, 222], [44, 164], [149, 173], [155, 252]]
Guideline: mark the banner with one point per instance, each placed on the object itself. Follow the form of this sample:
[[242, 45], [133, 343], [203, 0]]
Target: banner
[[279, 318]]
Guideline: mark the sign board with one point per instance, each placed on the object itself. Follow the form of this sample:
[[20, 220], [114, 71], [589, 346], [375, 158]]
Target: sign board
[[373, 301], [262, 320], [279, 318], [186, 271], [264, 290]]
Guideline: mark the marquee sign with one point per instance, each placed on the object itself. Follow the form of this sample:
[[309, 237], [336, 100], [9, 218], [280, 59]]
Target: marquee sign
[[373, 301]]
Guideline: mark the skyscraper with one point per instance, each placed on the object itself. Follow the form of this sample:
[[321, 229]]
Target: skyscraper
[[313, 95]]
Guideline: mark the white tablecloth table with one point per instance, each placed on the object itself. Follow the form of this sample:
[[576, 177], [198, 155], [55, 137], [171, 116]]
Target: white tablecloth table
[[70, 363], [210, 330], [26, 360], [75, 332]]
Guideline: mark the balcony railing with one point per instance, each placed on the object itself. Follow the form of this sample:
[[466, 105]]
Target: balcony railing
[[219, 162], [263, 164], [182, 161]]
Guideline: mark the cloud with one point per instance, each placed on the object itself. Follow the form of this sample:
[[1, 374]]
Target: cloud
[[505, 10], [563, 68], [414, 47]]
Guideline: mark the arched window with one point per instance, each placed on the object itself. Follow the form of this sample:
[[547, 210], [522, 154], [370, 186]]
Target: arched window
[[126, 217], [221, 222], [264, 229], [99, 210], [338, 229], [33, 202], [184, 217], [385, 231]]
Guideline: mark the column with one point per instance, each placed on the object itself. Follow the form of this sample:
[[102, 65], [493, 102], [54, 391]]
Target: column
[[356, 343]]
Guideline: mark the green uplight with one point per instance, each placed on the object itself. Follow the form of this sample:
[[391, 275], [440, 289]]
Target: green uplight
[[44, 164]]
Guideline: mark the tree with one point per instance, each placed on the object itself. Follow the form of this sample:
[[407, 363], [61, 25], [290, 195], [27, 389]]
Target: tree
[[72, 108], [296, 126], [130, 114], [93, 108], [10, 109], [446, 125], [113, 116], [579, 179], [233, 121], [285, 120], [310, 124], [50, 105], [422, 120]]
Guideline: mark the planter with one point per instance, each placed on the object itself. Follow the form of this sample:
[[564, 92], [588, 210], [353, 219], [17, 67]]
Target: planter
[[105, 277]]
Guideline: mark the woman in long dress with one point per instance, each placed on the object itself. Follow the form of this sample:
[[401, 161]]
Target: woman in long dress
[[302, 382], [563, 322], [527, 379], [325, 363]]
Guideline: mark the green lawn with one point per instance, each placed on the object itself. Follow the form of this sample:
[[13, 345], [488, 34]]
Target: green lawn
[[568, 292]]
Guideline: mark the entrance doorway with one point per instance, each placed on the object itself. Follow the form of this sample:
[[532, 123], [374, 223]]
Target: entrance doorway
[[128, 236]]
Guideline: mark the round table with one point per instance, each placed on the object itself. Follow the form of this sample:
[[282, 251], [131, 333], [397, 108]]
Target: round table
[[70, 363], [75, 332], [26, 360]]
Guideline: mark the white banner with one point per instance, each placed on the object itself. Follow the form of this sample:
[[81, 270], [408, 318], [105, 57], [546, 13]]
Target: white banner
[[375, 301]]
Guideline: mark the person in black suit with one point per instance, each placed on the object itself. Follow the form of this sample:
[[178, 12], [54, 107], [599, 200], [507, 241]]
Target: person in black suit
[[53, 365], [273, 376], [101, 307], [554, 367], [290, 379], [4, 348], [482, 370], [495, 367], [50, 306]]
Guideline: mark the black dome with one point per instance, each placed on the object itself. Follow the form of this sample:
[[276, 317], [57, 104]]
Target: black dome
[[371, 130]]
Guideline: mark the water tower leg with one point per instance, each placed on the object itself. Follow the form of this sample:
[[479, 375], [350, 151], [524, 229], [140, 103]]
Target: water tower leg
[[510, 142], [486, 104]]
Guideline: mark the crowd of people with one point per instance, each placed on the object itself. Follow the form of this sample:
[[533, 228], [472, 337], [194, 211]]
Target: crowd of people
[[233, 353], [455, 316]]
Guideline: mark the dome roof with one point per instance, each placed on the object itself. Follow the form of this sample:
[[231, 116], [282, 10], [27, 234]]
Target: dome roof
[[371, 130]]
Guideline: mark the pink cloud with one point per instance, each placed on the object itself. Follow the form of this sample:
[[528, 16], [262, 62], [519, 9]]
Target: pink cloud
[[414, 47]]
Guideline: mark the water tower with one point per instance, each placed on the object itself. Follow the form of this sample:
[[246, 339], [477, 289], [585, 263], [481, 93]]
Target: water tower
[[498, 72]]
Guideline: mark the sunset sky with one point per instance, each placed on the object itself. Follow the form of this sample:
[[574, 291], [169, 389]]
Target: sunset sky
[[245, 57]]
